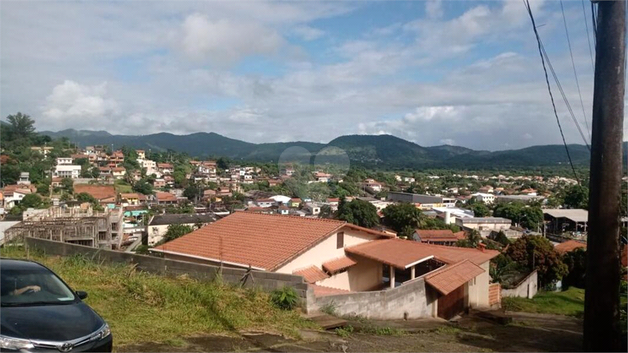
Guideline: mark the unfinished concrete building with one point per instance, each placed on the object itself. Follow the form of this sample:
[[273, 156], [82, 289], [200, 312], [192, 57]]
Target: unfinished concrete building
[[82, 226]]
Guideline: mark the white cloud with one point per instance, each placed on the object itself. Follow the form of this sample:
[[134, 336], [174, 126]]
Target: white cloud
[[224, 41], [434, 8], [71, 102], [308, 33]]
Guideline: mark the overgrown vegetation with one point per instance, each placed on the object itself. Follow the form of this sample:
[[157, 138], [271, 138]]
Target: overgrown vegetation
[[569, 302], [142, 307], [285, 298]]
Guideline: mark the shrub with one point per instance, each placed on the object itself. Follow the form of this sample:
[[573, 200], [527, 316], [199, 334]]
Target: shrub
[[344, 331], [285, 298]]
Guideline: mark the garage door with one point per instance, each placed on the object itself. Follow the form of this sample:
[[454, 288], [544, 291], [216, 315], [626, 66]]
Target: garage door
[[451, 304]]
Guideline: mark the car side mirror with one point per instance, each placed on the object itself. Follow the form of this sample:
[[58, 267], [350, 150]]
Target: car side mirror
[[81, 294]]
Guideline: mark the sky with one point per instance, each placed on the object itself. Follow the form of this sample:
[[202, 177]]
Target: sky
[[464, 73]]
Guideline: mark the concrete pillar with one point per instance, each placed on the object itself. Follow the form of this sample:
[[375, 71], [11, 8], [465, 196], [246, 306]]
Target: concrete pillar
[[412, 272], [392, 277]]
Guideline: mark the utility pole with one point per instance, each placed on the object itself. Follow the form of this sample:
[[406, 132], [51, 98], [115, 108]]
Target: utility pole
[[601, 304]]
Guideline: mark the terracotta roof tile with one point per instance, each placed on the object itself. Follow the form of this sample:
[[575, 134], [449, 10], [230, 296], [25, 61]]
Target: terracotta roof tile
[[569, 245], [338, 264], [321, 291], [446, 279], [311, 274], [165, 196], [402, 253], [428, 235], [264, 241]]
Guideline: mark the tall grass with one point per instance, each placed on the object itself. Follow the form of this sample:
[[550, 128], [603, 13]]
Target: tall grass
[[142, 307]]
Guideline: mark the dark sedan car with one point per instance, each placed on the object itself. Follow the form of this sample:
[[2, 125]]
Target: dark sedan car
[[39, 312]]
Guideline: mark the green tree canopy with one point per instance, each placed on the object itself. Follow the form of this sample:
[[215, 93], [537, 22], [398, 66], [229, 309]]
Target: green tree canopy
[[403, 218], [176, 231], [537, 253], [577, 196], [358, 212], [480, 209]]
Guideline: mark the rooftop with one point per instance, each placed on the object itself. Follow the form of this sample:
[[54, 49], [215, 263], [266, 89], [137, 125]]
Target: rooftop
[[182, 218], [264, 241], [576, 214], [569, 245], [446, 279], [404, 254]]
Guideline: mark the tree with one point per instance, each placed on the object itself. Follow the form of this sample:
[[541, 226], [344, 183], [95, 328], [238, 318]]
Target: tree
[[85, 197], [193, 192], [358, 212], [31, 200], [577, 196], [68, 185], [537, 253], [326, 212], [480, 209], [95, 172], [576, 262], [501, 238], [222, 163], [143, 187], [177, 230], [402, 217], [22, 127], [473, 239]]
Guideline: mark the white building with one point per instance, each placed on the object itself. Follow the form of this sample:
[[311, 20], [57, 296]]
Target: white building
[[483, 197], [151, 166], [64, 160], [67, 171]]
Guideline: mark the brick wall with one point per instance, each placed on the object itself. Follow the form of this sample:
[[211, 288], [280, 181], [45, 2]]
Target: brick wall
[[266, 280]]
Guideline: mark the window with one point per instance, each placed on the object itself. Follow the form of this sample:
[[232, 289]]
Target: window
[[340, 240]]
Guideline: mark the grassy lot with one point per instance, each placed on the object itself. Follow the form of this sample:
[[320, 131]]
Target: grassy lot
[[141, 307], [569, 302], [122, 186]]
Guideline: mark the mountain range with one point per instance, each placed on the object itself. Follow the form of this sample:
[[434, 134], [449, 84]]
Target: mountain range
[[369, 150]]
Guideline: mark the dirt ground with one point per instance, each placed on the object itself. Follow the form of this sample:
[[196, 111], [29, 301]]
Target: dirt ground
[[527, 332]]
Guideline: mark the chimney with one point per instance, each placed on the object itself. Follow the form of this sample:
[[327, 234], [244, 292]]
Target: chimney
[[481, 247]]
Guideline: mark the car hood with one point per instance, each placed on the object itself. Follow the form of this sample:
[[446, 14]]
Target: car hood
[[50, 322]]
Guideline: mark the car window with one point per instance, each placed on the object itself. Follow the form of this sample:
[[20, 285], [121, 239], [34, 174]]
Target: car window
[[33, 287]]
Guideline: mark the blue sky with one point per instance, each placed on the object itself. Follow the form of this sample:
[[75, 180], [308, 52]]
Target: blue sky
[[433, 72]]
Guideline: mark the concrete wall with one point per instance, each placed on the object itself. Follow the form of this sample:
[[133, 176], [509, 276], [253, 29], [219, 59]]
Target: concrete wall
[[326, 250], [526, 288], [265, 280], [412, 300], [479, 287]]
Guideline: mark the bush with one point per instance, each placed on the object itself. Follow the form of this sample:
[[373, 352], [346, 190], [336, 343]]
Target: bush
[[285, 298]]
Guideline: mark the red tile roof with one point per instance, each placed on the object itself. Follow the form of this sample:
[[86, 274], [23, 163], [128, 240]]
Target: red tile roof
[[461, 235], [446, 279], [321, 291], [99, 192], [402, 253], [264, 241], [311, 274], [569, 245], [165, 196], [436, 235], [338, 264]]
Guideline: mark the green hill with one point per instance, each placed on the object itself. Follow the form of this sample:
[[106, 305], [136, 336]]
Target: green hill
[[385, 151]]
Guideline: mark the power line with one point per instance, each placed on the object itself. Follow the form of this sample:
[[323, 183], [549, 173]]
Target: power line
[[586, 25], [573, 64], [538, 40]]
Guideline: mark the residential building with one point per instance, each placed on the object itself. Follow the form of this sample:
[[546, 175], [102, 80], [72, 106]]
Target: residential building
[[295, 202], [150, 166], [24, 179], [158, 225], [43, 150], [207, 167], [265, 202], [484, 223], [570, 245], [141, 154], [372, 185], [118, 172], [67, 171], [159, 183], [322, 177], [336, 257], [450, 214], [438, 236], [64, 160], [424, 202], [132, 199], [165, 168], [484, 197], [518, 198], [165, 198]]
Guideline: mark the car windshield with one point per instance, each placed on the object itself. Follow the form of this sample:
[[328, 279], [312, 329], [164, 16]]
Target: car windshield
[[33, 287]]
